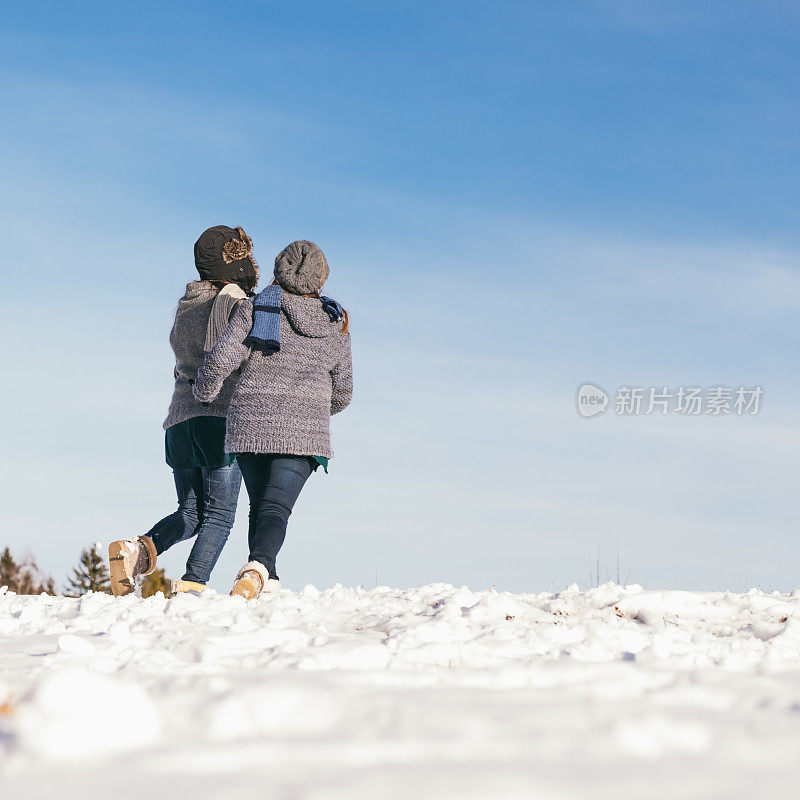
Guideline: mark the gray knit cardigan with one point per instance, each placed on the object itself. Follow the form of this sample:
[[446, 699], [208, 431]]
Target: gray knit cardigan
[[283, 401], [188, 338]]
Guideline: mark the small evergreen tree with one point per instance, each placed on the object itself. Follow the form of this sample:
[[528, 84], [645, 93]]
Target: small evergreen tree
[[155, 582], [91, 574]]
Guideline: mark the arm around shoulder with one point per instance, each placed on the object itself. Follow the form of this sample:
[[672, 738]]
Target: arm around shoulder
[[226, 356]]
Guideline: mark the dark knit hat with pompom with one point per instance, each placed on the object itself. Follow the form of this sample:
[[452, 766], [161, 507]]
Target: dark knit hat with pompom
[[301, 268], [226, 254]]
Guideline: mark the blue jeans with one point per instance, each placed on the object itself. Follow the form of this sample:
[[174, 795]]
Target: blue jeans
[[207, 500], [273, 484]]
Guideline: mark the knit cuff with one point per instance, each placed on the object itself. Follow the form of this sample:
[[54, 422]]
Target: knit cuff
[[204, 392]]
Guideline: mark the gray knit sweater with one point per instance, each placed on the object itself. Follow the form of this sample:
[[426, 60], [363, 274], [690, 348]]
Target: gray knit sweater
[[188, 338], [283, 401]]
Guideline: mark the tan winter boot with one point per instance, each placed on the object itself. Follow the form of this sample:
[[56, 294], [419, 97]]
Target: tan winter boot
[[127, 559], [252, 580], [192, 587]]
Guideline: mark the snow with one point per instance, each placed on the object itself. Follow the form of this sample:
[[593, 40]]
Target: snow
[[434, 692]]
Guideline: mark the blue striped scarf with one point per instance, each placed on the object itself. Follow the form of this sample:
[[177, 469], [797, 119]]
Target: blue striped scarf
[[265, 335]]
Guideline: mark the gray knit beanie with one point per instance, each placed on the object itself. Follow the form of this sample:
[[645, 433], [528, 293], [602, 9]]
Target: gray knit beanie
[[301, 268]]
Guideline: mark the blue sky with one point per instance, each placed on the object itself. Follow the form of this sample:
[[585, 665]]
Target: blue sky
[[515, 198]]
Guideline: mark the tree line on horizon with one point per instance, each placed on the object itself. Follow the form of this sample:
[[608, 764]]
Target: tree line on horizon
[[90, 575]]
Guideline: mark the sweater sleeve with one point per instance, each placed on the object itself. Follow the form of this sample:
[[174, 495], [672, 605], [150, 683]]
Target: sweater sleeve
[[226, 356], [342, 379]]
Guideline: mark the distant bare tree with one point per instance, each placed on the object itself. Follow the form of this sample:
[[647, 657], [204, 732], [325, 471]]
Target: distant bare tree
[[155, 582], [24, 577]]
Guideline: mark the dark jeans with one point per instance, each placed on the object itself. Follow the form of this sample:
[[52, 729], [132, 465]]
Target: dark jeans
[[206, 509], [273, 484]]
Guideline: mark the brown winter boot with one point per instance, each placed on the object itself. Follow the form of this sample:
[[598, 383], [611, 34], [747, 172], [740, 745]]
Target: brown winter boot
[[252, 580], [127, 559], [192, 587]]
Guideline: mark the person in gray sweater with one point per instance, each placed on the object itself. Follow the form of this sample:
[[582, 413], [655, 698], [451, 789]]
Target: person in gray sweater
[[292, 347], [207, 478]]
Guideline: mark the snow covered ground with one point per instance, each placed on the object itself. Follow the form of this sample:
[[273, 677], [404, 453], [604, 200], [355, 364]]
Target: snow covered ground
[[433, 692]]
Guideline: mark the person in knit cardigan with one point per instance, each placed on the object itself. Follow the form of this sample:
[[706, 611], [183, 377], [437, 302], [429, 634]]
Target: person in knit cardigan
[[207, 478], [293, 349]]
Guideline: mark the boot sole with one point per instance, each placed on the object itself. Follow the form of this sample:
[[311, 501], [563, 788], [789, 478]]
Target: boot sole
[[118, 567]]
